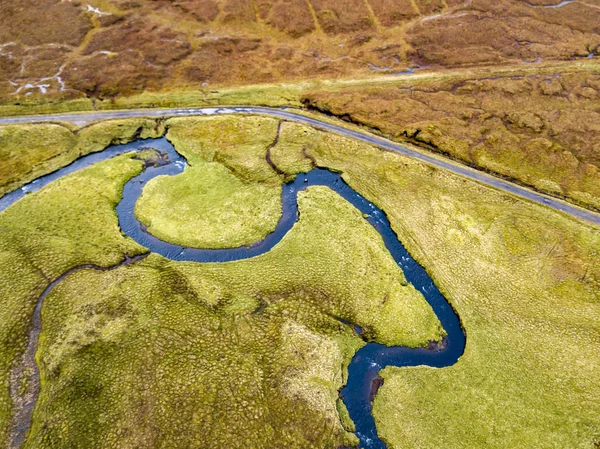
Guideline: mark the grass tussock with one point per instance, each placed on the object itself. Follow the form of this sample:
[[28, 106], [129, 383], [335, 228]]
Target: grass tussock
[[30, 151], [525, 282]]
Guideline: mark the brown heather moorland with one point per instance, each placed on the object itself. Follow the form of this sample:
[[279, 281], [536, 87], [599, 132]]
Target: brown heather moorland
[[540, 130], [52, 50]]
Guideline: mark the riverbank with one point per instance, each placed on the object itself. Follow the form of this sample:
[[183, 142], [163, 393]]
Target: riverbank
[[521, 276]]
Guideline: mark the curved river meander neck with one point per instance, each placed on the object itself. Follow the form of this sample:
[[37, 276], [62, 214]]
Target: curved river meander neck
[[369, 360]]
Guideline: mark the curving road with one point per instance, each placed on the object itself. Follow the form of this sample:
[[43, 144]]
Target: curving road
[[285, 113]]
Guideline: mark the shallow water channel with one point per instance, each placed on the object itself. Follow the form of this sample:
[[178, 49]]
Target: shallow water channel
[[363, 370]]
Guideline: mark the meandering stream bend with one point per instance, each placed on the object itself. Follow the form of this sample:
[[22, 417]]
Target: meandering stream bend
[[23, 409], [369, 360]]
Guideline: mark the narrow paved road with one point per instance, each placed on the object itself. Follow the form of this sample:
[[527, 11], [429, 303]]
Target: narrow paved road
[[292, 116]]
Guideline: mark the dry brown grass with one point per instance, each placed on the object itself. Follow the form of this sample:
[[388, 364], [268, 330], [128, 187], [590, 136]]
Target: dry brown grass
[[38, 22], [492, 32], [143, 45]]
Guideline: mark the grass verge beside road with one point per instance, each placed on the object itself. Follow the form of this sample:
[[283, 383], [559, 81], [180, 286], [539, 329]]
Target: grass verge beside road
[[540, 130]]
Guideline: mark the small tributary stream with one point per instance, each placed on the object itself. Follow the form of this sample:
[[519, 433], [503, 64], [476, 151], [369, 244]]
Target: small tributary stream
[[363, 370]]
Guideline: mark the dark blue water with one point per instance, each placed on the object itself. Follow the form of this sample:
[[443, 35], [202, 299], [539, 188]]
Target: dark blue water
[[368, 361], [82, 162]]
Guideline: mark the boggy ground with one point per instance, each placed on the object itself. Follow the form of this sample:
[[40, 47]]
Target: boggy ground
[[536, 125], [229, 196], [523, 279], [229, 355], [541, 130], [69, 223], [525, 282], [53, 50], [180, 354]]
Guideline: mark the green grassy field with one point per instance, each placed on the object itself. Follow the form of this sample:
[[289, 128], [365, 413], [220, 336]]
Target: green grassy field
[[68, 223], [230, 355], [526, 284], [30, 151], [250, 353], [228, 197]]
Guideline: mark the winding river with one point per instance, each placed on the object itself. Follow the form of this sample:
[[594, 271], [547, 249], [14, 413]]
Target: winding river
[[286, 113], [363, 370]]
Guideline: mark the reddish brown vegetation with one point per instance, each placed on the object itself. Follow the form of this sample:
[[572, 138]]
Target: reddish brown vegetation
[[540, 130], [158, 46], [342, 16], [390, 12], [37, 22], [491, 31], [291, 16], [108, 76], [205, 11], [138, 45]]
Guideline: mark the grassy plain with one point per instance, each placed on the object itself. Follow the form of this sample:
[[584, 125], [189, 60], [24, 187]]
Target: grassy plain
[[525, 282], [170, 353], [523, 279], [70, 222], [228, 197], [209, 207], [30, 151], [249, 353]]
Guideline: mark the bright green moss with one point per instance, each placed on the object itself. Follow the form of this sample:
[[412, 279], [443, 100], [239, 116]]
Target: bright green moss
[[29, 151], [99, 135], [345, 416], [208, 207]]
